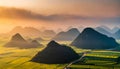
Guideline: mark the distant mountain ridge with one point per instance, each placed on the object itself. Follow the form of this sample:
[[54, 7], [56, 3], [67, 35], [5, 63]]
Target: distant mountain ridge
[[104, 31], [110, 30], [31, 32], [70, 35], [26, 31], [17, 37], [48, 33], [67, 36], [18, 41], [117, 34]]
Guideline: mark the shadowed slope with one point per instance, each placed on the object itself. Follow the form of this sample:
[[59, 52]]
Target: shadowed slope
[[55, 53], [91, 39]]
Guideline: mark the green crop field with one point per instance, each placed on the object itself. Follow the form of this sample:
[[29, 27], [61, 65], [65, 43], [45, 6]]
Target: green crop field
[[14, 58], [11, 58], [98, 59]]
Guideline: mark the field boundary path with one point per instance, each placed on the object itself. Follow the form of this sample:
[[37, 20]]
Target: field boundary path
[[68, 65]]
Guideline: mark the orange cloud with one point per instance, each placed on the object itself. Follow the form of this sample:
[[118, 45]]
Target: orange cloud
[[16, 13]]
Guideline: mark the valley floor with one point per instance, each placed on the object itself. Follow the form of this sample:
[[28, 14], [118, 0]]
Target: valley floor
[[14, 58], [11, 58]]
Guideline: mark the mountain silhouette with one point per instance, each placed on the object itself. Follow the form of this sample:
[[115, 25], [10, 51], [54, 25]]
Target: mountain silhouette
[[67, 36], [115, 29], [103, 31], [25, 31], [117, 34], [91, 39], [48, 33], [18, 41], [39, 39], [31, 32], [55, 53], [106, 28], [35, 43], [18, 37]]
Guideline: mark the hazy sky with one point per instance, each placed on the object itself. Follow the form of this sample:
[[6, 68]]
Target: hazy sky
[[59, 13]]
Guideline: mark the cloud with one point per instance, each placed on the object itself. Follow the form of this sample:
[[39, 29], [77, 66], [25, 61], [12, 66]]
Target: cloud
[[25, 14], [115, 20], [17, 13]]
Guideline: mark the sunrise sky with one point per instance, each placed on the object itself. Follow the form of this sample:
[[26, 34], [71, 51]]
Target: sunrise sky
[[54, 14]]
